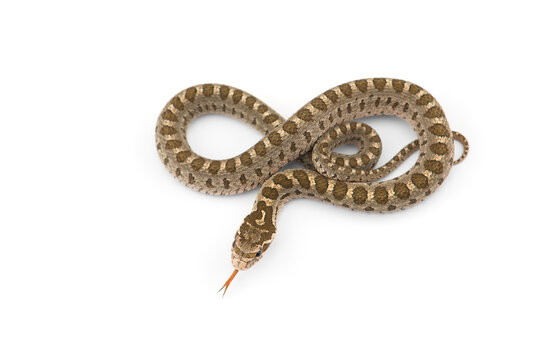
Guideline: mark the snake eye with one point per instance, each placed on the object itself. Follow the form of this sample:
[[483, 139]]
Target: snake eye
[[234, 243], [259, 253]]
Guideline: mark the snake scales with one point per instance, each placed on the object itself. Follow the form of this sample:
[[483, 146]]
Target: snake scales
[[310, 134]]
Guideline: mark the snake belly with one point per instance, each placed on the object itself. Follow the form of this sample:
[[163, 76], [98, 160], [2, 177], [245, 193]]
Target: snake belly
[[310, 134]]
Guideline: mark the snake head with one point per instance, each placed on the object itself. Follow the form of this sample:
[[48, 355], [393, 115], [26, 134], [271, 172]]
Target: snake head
[[253, 237]]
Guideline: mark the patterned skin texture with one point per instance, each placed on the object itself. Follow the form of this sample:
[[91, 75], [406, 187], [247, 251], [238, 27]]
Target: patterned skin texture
[[310, 134]]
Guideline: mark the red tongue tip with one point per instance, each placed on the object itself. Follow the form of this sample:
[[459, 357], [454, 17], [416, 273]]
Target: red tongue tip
[[227, 283]]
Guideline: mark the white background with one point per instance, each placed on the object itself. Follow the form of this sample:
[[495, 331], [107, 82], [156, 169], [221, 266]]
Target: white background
[[104, 255]]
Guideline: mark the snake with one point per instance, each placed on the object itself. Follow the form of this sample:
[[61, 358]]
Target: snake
[[310, 135]]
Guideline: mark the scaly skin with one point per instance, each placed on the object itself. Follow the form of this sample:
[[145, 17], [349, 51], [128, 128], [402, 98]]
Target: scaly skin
[[310, 135]]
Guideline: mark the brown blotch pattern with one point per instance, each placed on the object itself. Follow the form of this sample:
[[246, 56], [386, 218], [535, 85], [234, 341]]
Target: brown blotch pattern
[[398, 85], [434, 112], [250, 101], [214, 167], [230, 165], [435, 166], [270, 193], [177, 103], [262, 109], [260, 148], [197, 163], [332, 95], [439, 148], [282, 180], [425, 99], [439, 130], [420, 181], [167, 130], [321, 184], [319, 104], [191, 93], [414, 89], [245, 159], [380, 195], [271, 118], [243, 179], [379, 84], [359, 194], [402, 191], [346, 90], [182, 156], [169, 115], [172, 144], [224, 91], [275, 138], [305, 115], [302, 178], [290, 127], [339, 190], [362, 85], [207, 90], [236, 97]]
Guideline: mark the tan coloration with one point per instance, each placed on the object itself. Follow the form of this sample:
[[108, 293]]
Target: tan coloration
[[311, 135]]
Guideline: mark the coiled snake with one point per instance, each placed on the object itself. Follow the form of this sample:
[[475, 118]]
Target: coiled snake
[[310, 134]]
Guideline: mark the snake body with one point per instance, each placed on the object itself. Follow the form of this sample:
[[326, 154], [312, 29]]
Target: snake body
[[310, 134]]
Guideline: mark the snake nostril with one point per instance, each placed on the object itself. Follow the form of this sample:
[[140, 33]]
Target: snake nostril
[[259, 252]]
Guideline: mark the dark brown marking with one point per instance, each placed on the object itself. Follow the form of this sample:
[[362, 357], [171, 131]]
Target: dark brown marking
[[208, 183], [177, 103], [271, 118], [290, 127], [197, 163], [282, 180], [365, 158], [339, 190], [398, 85], [305, 114], [402, 191], [270, 193], [178, 171], [333, 134], [169, 115], [275, 138], [191, 179], [207, 90], [191, 93], [224, 91], [439, 130], [293, 147], [434, 112], [250, 101], [439, 148], [172, 144], [243, 179], [379, 84], [245, 159], [226, 183], [262, 108], [236, 97], [321, 184], [414, 89], [182, 156], [343, 128], [435, 166], [420, 180], [167, 130], [359, 194], [346, 90], [405, 107], [230, 165], [339, 161], [260, 148], [362, 85], [319, 104], [302, 177], [214, 167], [381, 195], [258, 172], [307, 136], [332, 95], [424, 99]]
